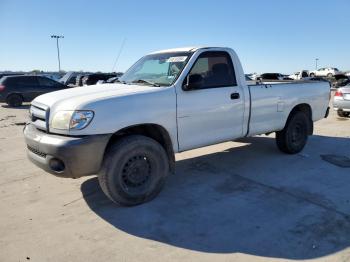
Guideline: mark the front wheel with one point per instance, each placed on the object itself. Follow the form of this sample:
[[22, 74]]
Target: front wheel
[[312, 75], [134, 170], [293, 137], [329, 75]]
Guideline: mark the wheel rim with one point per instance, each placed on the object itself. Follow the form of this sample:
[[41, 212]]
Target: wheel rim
[[136, 175]]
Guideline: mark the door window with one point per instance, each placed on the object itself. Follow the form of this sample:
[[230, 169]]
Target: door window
[[43, 81], [26, 81], [212, 69]]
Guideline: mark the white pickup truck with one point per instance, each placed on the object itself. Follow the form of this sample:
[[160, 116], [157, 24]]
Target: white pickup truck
[[168, 102]]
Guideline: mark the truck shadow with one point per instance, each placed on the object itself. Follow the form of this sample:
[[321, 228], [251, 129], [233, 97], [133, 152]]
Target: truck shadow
[[249, 199]]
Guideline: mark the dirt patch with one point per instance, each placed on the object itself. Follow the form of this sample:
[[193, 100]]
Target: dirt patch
[[234, 184], [202, 166], [329, 227], [338, 160], [313, 197], [6, 118]]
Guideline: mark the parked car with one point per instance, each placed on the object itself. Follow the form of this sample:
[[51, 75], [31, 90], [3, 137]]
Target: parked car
[[79, 79], [249, 80], [10, 74], [325, 72], [341, 101], [320, 79], [253, 76], [112, 80], [92, 79], [129, 132], [14, 90], [303, 74], [340, 80], [271, 76]]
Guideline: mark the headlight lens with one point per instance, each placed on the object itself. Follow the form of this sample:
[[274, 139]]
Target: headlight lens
[[80, 119], [61, 120], [74, 120]]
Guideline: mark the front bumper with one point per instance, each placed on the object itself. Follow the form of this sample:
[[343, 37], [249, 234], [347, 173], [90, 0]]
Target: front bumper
[[65, 156]]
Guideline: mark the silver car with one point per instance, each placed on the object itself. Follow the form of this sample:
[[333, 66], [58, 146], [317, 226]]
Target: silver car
[[341, 101]]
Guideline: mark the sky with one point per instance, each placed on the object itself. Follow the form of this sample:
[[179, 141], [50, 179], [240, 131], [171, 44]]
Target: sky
[[268, 36]]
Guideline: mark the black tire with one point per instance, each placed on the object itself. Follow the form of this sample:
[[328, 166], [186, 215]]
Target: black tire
[[134, 170], [293, 137], [330, 75], [312, 75], [14, 100], [342, 113]]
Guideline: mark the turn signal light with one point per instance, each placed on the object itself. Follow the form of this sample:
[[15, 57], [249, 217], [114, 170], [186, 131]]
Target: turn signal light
[[2, 88]]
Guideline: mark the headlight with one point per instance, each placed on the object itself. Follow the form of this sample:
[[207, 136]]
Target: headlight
[[75, 120], [61, 120], [80, 119]]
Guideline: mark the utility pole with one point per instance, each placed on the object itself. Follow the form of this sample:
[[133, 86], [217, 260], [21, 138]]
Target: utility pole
[[58, 50], [316, 60]]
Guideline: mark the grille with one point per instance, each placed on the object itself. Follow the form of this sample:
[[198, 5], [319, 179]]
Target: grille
[[39, 115], [37, 152]]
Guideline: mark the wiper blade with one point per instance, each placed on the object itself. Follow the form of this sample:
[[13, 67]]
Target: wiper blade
[[142, 81]]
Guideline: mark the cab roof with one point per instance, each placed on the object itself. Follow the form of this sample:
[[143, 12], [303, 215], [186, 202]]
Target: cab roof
[[183, 49]]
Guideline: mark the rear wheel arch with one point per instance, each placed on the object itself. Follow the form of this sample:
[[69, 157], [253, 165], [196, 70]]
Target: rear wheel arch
[[307, 110], [293, 137], [153, 131]]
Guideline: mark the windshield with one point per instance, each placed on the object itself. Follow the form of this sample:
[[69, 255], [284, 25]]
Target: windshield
[[157, 69]]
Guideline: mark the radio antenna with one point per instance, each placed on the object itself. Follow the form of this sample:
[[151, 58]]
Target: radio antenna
[[118, 55]]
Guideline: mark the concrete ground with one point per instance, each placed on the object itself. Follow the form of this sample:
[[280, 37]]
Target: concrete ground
[[236, 201]]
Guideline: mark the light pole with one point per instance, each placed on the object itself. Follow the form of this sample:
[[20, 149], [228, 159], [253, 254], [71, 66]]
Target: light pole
[[316, 60], [58, 50]]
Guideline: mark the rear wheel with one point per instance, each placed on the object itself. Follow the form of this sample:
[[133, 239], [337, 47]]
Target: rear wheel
[[134, 170], [293, 137], [312, 75], [14, 100], [329, 75], [342, 113]]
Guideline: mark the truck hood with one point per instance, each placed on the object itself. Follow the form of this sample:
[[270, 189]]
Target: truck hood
[[73, 98]]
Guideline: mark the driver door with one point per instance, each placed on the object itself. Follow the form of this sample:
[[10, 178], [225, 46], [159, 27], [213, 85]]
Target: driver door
[[212, 110]]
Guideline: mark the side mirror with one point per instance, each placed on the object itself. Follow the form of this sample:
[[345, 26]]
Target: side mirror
[[192, 82]]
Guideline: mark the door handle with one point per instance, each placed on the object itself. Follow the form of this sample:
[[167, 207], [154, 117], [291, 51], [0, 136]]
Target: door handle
[[235, 96]]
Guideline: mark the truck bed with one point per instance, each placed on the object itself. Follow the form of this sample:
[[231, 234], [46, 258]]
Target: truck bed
[[271, 103]]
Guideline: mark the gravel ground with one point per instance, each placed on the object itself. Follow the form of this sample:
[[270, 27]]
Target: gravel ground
[[236, 201]]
